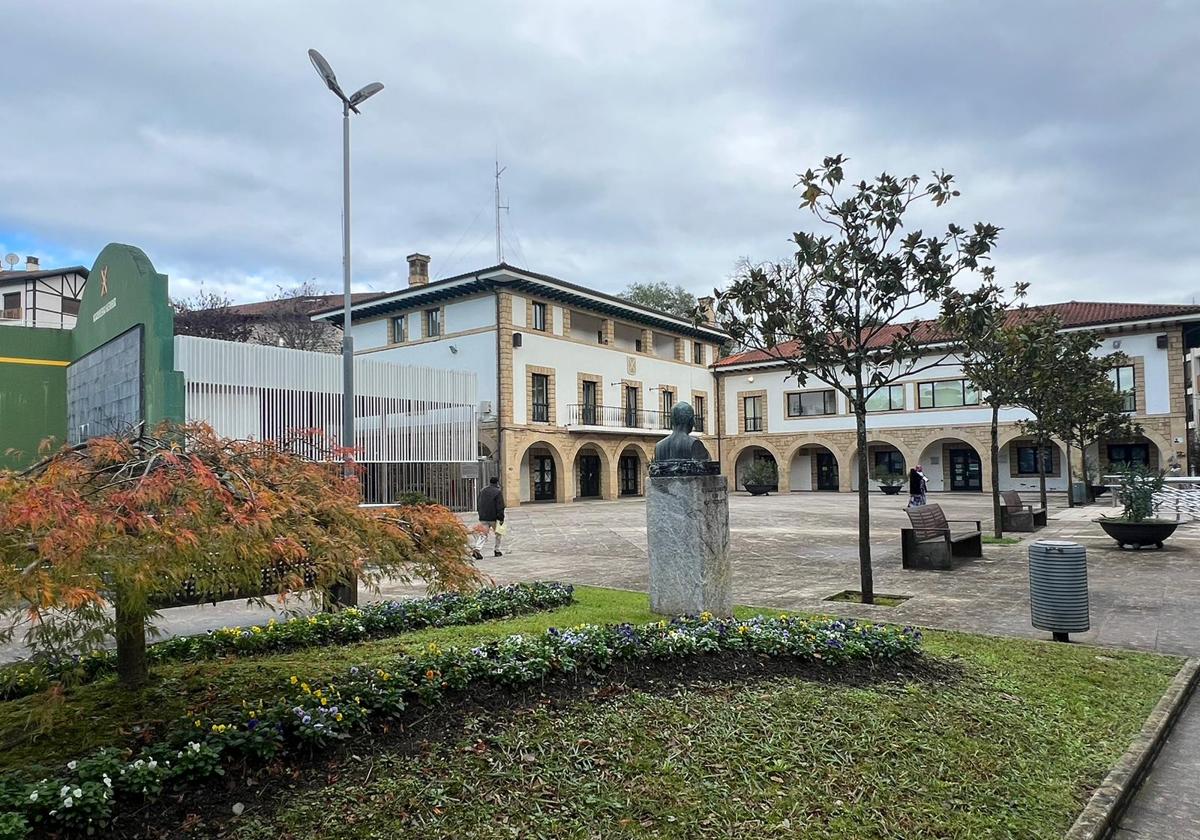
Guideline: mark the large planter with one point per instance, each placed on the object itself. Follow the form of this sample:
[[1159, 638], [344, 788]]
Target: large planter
[[890, 489], [1137, 534], [759, 489]]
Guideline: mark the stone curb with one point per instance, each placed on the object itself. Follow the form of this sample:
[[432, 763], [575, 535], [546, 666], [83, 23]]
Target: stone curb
[[1109, 801]]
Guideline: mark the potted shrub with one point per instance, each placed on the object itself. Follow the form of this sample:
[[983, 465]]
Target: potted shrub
[[889, 482], [1137, 525], [760, 478]]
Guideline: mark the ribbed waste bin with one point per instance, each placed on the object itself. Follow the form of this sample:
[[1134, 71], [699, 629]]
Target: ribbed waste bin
[[1058, 589]]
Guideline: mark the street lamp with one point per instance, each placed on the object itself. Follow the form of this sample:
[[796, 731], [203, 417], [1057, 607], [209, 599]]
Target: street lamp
[[349, 103], [346, 594]]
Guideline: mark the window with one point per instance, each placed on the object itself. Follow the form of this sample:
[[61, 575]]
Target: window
[[589, 402], [697, 353], [887, 398], [637, 345], [433, 323], [631, 406], [12, 304], [400, 329], [539, 316], [599, 336], [1027, 460], [541, 398], [811, 403], [70, 306], [947, 394], [1123, 381], [1129, 453], [698, 407], [889, 461], [753, 411], [668, 401]]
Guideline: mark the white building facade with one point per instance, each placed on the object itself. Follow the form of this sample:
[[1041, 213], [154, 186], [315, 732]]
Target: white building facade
[[36, 297], [575, 386]]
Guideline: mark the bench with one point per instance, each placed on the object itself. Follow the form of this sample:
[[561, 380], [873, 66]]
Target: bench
[[931, 543], [1015, 515]]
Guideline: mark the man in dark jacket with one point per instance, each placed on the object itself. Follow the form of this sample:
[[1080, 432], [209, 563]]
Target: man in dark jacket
[[491, 511]]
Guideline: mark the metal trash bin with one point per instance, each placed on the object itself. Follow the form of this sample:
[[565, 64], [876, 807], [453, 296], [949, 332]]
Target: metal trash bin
[[1058, 588]]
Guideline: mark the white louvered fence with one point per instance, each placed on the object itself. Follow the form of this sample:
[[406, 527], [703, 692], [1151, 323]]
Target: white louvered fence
[[414, 426]]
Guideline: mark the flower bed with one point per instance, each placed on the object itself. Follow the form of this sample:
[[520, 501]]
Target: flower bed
[[305, 716], [355, 624]]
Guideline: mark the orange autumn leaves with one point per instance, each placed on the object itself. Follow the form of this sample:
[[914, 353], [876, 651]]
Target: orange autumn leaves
[[133, 521]]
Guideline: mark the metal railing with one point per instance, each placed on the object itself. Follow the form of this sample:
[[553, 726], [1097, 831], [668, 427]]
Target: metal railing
[[1180, 495], [623, 417]]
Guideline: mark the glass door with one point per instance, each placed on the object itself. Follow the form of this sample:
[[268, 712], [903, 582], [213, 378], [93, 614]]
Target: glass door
[[628, 469], [543, 478], [966, 471], [589, 476]]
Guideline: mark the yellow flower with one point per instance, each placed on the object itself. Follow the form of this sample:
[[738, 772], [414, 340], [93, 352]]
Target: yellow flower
[[294, 680], [256, 629], [304, 687], [197, 722], [338, 716], [433, 648], [706, 616]]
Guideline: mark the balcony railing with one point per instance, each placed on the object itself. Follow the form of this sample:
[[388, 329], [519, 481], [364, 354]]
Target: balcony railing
[[622, 417]]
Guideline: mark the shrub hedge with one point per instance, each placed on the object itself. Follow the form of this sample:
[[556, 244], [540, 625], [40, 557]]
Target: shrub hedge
[[85, 797]]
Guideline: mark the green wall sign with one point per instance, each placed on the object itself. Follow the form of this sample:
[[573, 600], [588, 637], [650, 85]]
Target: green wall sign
[[123, 293]]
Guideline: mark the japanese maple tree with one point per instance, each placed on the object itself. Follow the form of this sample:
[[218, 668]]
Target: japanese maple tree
[[97, 537]]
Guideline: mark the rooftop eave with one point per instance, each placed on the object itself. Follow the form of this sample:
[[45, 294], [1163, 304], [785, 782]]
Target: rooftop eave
[[543, 285]]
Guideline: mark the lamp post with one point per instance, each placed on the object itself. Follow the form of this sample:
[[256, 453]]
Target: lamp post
[[349, 103], [345, 595]]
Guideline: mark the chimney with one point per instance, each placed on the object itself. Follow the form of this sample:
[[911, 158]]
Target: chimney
[[710, 314], [32, 264], [418, 269]]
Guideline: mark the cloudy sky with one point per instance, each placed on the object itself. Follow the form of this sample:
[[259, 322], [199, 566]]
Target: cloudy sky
[[644, 141]]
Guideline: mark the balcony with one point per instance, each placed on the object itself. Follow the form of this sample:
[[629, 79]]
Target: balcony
[[620, 418]]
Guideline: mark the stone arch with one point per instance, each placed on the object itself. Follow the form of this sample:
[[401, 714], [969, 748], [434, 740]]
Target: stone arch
[[805, 471], [520, 480], [937, 454], [743, 456], [631, 482], [1011, 476], [585, 484], [877, 444]]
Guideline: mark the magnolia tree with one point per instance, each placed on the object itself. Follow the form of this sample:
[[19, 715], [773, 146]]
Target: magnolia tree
[[97, 537], [841, 311]]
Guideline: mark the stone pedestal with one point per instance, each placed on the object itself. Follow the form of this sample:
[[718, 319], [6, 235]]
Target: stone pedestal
[[687, 523]]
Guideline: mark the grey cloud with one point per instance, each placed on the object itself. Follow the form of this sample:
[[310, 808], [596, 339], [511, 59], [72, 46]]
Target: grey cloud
[[644, 141]]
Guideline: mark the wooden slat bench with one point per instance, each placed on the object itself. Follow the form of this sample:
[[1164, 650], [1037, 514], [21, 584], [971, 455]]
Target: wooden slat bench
[[1016, 515], [931, 543]]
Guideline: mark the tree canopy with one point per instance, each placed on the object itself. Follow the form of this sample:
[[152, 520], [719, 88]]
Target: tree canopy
[[183, 515], [844, 310], [661, 295]]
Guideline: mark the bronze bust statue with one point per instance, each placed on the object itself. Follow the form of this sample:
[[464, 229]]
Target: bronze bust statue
[[679, 453]]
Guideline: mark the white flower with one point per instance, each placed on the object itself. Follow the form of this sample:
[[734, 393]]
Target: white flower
[[71, 765], [107, 781], [68, 802], [62, 791], [152, 764], [33, 796], [77, 793]]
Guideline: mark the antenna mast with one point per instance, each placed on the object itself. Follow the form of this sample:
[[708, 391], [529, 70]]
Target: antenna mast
[[499, 207]]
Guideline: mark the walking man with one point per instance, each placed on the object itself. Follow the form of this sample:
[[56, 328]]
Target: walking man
[[491, 513]]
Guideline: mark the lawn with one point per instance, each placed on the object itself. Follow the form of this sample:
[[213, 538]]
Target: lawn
[[1010, 746]]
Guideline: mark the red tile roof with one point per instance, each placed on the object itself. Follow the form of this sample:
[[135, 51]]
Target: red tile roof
[[1074, 313], [304, 305]]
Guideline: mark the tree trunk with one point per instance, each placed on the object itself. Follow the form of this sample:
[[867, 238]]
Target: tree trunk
[[1070, 477], [997, 521], [864, 510], [1042, 446], [132, 671]]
